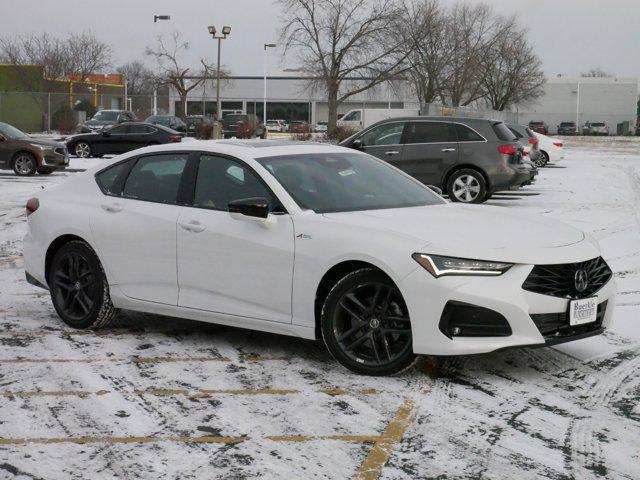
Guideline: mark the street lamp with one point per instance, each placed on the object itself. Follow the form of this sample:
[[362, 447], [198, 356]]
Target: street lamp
[[225, 31], [264, 106], [161, 17]]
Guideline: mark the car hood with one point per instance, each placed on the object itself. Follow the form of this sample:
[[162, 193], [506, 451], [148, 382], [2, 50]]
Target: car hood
[[479, 232], [45, 143]]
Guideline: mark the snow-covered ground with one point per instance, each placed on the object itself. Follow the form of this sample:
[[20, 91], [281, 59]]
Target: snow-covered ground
[[165, 398]]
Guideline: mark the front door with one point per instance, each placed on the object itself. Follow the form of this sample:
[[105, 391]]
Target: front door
[[430, 150], [384, 141], [135, 230], [230, 266]]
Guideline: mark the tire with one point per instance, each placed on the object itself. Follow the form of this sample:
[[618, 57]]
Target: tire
[[488, 196], [82, 149], [24, 164], [467, 186], [545, 158], [45, 171], [365, 324], [79, 288]]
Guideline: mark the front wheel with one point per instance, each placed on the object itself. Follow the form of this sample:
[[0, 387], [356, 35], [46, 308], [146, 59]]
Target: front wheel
[[25, 164], [79, 288], [366, 325], [82, 150], [467, 186]]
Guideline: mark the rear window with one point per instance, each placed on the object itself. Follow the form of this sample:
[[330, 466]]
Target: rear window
[[108, 179], [502, 132], [515, 132]]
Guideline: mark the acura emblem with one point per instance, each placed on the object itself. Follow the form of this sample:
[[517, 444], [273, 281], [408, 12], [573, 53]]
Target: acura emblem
[[581, 281]]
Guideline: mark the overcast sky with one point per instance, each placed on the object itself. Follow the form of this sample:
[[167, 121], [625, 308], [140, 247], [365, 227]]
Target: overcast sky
[[571, 36]]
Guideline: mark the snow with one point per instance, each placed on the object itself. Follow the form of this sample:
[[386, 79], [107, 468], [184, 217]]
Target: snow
[[571, 411]]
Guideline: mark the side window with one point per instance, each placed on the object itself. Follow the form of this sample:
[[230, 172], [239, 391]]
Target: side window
[[386, 134], [465, 134], [156, 178], [119, 130], [221, 181], [430, 132], [140, 129], [108, 179]]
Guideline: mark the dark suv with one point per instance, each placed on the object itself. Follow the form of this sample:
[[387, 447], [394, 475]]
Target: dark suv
[[567, 128], [106, 118], [242, 125], [469, 158]]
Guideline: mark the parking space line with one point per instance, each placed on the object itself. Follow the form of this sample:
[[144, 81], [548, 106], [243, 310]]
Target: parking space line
[[84, 440], [311, 438], [142, 360], [36, 393], [371, 467]]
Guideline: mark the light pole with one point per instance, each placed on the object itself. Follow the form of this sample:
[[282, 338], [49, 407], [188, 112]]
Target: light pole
[[155, 85], [226, 30], [264, 96]]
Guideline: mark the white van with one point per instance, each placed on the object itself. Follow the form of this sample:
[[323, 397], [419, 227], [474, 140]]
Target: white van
[[363, 117]]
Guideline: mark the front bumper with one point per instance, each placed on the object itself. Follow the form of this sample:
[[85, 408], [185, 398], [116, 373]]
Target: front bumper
[[55, 160], [426, 298]]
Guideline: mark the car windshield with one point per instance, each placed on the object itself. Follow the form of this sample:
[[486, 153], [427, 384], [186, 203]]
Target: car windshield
[[344, 182], [567, 124], [166, 121], [104, 116], [597, 124], [12, 132], [234, 118]]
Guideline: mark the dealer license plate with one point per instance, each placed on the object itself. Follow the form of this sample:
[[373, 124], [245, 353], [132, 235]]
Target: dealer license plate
[[583, 311]]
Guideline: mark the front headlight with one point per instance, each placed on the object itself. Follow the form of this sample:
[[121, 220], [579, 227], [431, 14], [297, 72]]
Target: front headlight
[[38, 146], [439, 266]]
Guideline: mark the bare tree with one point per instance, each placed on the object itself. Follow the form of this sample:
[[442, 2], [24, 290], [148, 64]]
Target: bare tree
[[77, 54], [347, 46], [171, 71], [140, 78], [423, 30], [511, 73], [596, 73]]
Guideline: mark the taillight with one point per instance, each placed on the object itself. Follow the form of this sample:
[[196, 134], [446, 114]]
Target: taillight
[[558, 144], [533, 141], [175, 138], [507, 149], [525, 153], [32, 205]]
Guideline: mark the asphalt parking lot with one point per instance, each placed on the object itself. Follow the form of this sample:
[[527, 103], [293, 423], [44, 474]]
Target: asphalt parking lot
[[156, 397]]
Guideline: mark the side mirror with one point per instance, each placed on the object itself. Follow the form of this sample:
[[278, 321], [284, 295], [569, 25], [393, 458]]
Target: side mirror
[[437, 190], [249, 209], [357, 144]]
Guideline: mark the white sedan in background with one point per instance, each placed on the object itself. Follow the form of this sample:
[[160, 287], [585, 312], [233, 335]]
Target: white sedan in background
[[303, 240], [552, 149]]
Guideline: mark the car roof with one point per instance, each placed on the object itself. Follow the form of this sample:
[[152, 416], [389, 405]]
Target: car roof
[[443, 119]]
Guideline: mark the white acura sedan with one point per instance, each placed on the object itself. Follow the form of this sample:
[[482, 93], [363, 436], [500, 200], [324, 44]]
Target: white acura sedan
[[313, 241]]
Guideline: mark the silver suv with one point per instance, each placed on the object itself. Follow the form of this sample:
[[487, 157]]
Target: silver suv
[[468, 158]]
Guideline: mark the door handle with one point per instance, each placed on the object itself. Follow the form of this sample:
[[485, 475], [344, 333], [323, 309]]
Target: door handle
[[392, 152], [111, 207], [193, 226], [448, 149]]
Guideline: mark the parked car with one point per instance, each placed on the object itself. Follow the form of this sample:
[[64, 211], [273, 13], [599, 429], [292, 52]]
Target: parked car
[[284, 123], [199, 126], [595, 128], [468, 158], [169, 121], [638, 129], [242, 125], [299, 126], [360, 118], [552, 149], [105, 119], [321, 127], [120, 139], [299, 238], [276, 126], [567, 128], [539, 126], [527, 138], [26, 155]]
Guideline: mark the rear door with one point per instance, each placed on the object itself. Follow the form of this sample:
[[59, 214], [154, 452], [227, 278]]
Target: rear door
[[384, 141], [140, 135], [430, 149]]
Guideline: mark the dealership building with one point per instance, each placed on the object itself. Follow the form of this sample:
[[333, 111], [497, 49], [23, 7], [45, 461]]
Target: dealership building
[[290, 96]]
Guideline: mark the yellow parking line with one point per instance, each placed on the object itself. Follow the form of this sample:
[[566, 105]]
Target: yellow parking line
[[310, 438], [248, 358], [10, 259], [371, 467]]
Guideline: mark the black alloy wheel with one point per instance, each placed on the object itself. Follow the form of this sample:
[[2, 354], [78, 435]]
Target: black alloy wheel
[[78, 287], [366, 325]]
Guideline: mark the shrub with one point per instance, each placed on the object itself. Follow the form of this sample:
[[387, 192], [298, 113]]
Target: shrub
[[62, 120], [85, 106], [245, 130], [340, 133], [303, 137], [204, 131]]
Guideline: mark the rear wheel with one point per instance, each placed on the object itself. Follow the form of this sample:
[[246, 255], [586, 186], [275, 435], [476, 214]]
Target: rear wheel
[[82, 150], [24, 164], [79, 288], [467, 186], [544, 158], [366, 325]]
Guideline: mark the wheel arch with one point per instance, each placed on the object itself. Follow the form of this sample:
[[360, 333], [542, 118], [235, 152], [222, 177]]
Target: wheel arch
[[331, 277], [28, 152], [56, 245], [462, 166]]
